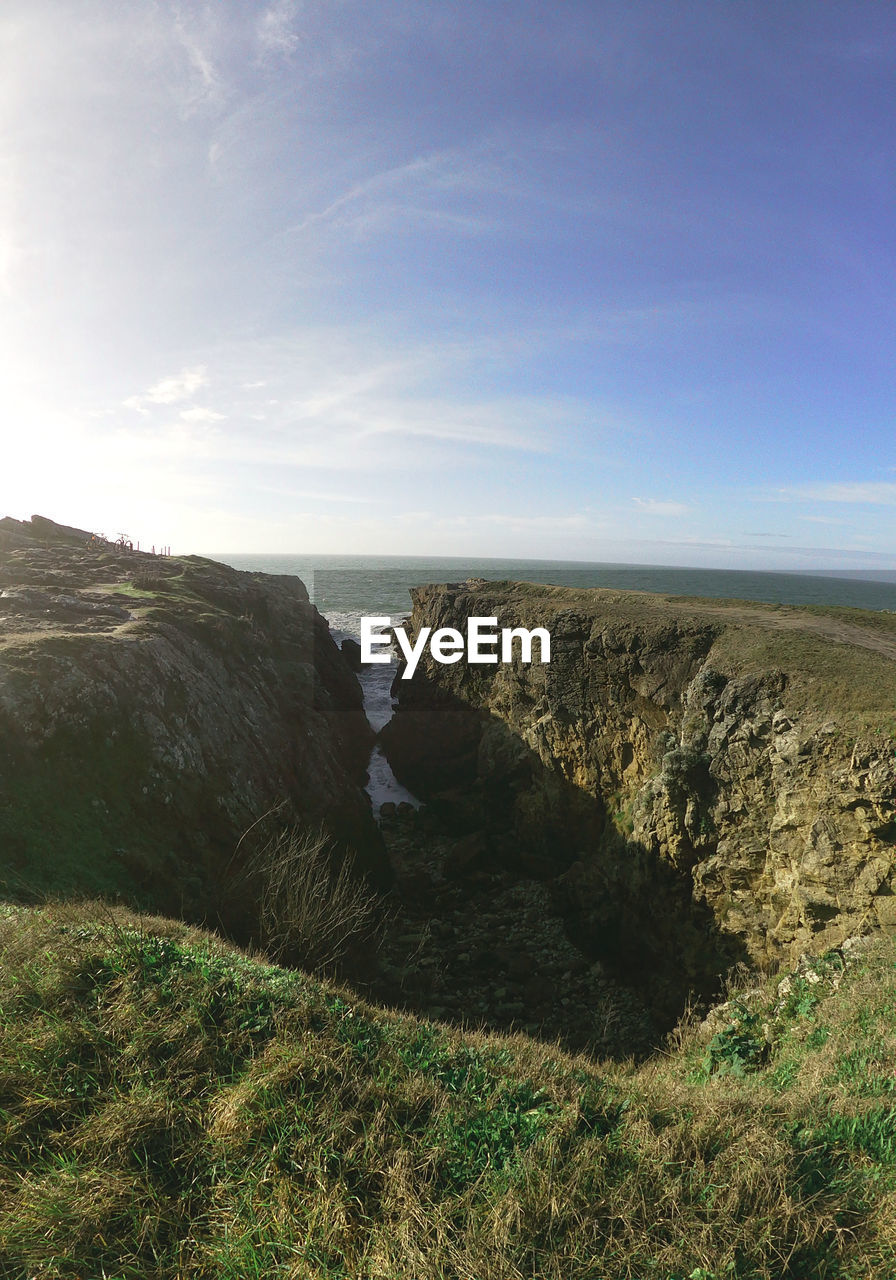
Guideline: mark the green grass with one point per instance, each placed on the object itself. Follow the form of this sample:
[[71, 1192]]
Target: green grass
[[108, 836], [855, 686], [172, 1107], [852, 687]]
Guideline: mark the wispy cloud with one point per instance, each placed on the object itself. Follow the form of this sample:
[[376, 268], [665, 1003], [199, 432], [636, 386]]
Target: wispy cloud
[[415, 191], [198, 414], [348, 401], [204, 86], [170, 390], [503, 423], [662, 507], [275, 30], [549, 523], [490, 185], [870, 493]]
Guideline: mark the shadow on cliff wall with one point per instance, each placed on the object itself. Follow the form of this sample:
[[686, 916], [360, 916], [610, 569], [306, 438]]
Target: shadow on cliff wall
[[621, 904]]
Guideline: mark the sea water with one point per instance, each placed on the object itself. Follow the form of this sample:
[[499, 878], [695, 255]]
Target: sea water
[[347, 588]]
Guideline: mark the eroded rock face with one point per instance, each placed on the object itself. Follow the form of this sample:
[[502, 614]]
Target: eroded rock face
[[152, 709], [713, 778]]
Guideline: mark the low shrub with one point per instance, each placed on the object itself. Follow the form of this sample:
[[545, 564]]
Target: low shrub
[[313, 910]]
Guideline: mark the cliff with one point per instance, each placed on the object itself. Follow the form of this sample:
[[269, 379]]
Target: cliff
[[151, 709], [699, 781]]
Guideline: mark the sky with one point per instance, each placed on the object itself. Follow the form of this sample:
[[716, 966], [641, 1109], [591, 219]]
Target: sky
[[590, 280]]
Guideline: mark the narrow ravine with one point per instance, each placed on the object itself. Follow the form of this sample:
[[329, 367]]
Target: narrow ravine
[[376, 685], [480, 946]]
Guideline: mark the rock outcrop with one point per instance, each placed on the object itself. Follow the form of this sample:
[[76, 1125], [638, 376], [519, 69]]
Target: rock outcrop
[[152, 709], [700, 780]]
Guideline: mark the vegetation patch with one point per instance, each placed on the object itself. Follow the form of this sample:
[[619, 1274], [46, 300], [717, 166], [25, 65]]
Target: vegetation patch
[[172, 1106]]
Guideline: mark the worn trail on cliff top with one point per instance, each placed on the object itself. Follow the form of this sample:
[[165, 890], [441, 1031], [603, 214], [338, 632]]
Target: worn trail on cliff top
[[795, 620]]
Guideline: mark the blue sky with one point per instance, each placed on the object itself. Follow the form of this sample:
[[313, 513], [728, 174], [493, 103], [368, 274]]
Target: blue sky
[[595, 280]]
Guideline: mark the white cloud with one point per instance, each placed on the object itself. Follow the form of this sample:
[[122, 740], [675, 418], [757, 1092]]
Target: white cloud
[[275, 31], [660, 507], [546, 524], [205, 85], [445, 189], [179, 387], [504, 423], [198, 414], [347, 401]]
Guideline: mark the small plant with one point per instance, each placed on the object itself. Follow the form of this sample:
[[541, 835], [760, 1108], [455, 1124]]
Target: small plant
[[687, 768], [802, 998], [737, 1049], [310, 911]]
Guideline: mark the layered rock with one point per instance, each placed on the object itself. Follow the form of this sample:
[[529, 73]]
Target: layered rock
[[152, 709], [700, 779]]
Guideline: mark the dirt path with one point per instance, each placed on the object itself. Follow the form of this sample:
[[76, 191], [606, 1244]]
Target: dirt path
[[786, 619]]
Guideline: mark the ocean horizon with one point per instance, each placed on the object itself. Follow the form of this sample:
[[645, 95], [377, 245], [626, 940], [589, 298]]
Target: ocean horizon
[[345, 588]]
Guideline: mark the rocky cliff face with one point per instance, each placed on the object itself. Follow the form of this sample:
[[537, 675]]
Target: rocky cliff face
[[152, 709], [699, 780]]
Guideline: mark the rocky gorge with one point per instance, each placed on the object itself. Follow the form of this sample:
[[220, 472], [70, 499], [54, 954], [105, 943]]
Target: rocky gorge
[[695, 783], [687, 785]]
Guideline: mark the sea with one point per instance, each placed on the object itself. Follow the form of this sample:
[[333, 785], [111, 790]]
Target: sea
[[347, 588]]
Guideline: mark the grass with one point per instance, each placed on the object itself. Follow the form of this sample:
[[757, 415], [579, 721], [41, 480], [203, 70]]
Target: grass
[[313, 910], [852, 686], [173, 1107]]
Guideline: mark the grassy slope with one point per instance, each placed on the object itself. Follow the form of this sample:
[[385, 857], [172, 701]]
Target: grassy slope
[[171, 1107]]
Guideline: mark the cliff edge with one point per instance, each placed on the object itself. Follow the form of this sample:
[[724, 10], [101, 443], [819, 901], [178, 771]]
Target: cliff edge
[[152, 708], [701, 781]]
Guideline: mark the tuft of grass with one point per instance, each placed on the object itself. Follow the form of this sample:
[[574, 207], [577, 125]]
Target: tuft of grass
[[313, 908], [170, 1106]]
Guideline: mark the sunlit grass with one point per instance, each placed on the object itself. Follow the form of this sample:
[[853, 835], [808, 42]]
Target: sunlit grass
[[172, 1107]]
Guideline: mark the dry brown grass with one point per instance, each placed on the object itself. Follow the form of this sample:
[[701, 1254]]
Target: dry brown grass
[[172, 1107], [313, 908]]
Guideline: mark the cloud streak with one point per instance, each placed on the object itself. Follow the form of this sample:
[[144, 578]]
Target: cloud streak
[[861, 493], [662, 507], [345, 400], [181, 386]]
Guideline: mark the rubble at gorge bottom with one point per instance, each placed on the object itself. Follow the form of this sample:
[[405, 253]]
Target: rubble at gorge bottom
[[480, 946]]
